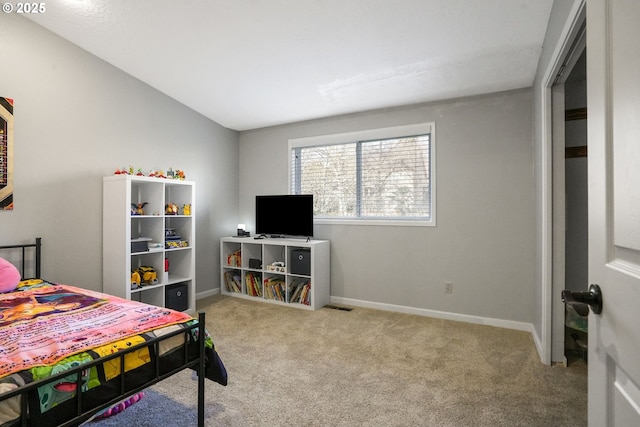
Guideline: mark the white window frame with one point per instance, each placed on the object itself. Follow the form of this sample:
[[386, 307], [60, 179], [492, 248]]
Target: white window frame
[[373, 134]]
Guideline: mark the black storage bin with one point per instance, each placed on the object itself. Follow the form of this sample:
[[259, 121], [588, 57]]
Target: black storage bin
[[139, 246], [177, 297], [301, 261]]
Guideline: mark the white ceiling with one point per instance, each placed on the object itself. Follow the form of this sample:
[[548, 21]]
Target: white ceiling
[[248, 64]]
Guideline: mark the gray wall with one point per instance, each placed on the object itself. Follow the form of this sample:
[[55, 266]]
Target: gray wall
[[484, 238], [77, 119]]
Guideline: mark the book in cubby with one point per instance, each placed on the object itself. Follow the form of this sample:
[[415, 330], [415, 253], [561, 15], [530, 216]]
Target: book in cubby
[[234, 259], [274, 287], [253, 283], [233, 281], [299, 291]]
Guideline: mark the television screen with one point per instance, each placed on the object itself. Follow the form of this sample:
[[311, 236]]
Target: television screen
[[285, 215]]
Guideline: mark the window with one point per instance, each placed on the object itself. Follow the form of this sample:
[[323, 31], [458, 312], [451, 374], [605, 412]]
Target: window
[[381, 176]]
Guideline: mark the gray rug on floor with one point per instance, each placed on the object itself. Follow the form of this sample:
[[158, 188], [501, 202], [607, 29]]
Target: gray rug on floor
[[153, 410]]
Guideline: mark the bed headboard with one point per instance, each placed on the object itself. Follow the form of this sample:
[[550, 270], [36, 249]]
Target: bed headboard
[[22, 249]]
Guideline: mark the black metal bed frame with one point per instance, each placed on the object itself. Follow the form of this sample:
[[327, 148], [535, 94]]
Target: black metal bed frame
[[38, 253], [82, 414]]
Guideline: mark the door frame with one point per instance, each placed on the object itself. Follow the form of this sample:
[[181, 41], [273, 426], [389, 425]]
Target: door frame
[[558, 221], [575, 19]]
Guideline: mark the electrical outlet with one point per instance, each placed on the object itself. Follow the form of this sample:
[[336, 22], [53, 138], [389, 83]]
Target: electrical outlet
[[448, 287]]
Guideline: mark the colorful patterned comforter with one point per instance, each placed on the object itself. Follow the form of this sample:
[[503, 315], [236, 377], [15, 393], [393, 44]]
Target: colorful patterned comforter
[[46, 329]]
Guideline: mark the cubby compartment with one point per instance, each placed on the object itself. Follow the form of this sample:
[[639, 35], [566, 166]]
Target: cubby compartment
[[231, 281], [151, 259], [147, 227], [153, 296], [253, 283], [275, 287], [275, 255], [231, 253], [177, 232], [300, 291], [177, 264], [179, 195], [252, 256], [146, 196]]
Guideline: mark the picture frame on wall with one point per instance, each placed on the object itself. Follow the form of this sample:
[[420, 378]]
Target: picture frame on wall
[[6, 154]]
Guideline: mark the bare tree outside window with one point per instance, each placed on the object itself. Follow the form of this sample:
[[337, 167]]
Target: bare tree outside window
[[376, 179], [395, 178], [329, 173]]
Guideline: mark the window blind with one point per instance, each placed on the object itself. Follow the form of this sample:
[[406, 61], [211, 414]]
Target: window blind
[[380, 178]]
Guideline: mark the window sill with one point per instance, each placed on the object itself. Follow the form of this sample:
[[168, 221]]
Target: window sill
[[376, 222]]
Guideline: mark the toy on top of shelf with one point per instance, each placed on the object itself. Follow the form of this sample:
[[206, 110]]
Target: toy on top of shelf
[[177, 243], [177, 174], [135, 279], [148, 275], [171, 174], [171, 209], [186, 209], [129, 171], [137, 208]]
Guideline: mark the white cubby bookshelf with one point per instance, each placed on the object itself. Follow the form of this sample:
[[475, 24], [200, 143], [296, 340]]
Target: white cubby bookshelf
[[175, 266], [274, 283]]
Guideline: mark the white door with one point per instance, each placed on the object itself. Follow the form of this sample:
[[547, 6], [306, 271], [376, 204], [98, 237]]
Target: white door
[[613, 90]]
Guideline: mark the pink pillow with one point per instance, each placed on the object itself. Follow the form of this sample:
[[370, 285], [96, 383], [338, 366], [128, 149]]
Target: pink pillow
[[9, 276]]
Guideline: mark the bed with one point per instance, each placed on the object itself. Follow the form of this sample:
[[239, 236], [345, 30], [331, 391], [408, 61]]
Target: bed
[[56, 339]]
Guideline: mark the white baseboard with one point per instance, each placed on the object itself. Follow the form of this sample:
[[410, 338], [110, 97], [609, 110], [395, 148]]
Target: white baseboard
[[538, 342], [500, 323], [209, 293]]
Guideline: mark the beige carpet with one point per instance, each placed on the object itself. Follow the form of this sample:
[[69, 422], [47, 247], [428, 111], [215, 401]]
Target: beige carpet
[[290, 367]]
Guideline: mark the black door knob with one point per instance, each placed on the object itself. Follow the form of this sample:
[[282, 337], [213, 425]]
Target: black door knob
[[580, 301]]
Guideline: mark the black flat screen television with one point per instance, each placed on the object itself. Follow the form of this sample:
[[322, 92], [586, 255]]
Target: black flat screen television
[[284, 215]]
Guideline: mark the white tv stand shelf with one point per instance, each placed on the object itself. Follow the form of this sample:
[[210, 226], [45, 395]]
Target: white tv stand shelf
[[250, 268]]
